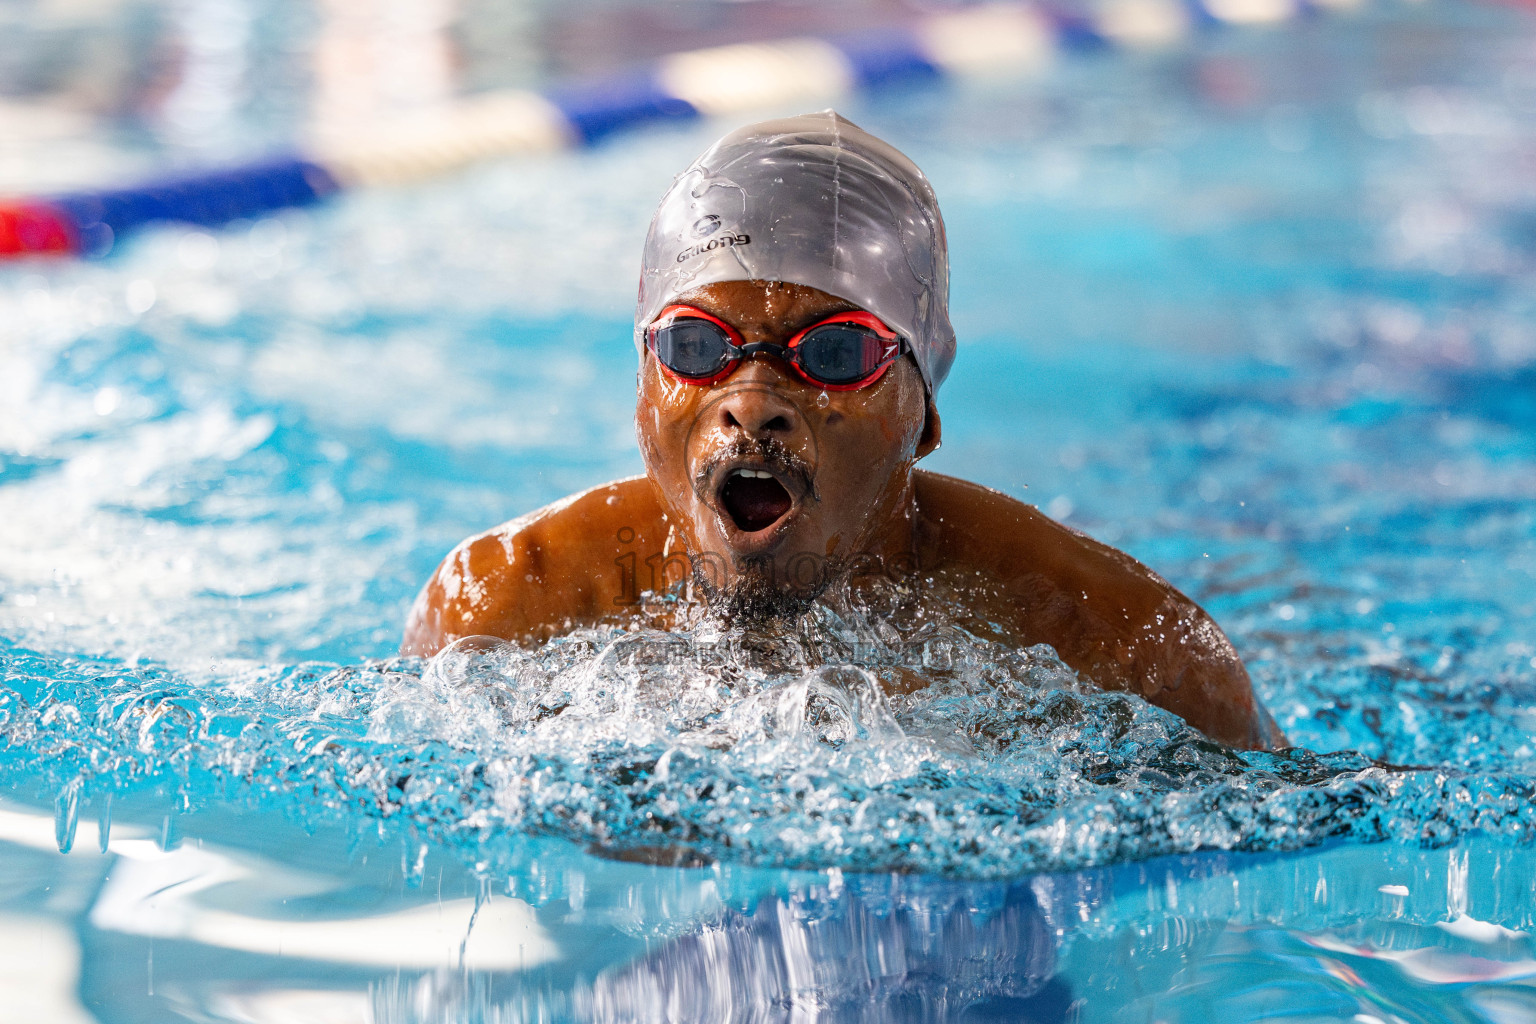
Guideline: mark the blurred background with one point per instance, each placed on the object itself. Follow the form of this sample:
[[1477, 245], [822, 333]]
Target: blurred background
[[1252, 302], [95, 88], [1244, 288]]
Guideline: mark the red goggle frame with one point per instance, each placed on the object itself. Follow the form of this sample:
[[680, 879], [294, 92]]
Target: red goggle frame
[[882, 347]]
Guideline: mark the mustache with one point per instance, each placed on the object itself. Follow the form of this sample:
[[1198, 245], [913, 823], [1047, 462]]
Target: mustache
[[767, 450]]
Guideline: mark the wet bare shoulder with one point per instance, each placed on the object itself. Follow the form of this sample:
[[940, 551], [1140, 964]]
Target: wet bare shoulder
[[541, 573], [1108, 616], [990, 531]]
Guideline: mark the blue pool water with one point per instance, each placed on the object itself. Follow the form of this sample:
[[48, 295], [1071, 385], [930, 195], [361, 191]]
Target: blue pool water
[[1258, 313]]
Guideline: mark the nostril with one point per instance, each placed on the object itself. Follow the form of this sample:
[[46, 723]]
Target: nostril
[[777, 424], [756, 414]]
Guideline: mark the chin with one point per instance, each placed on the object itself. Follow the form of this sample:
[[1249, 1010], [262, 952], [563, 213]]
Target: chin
[[762, 588]]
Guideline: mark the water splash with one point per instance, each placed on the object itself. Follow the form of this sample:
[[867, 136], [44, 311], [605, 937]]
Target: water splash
[[841, 742], [66, 816]]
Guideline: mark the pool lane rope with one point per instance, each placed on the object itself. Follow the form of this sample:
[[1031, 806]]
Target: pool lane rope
[[997, 39]]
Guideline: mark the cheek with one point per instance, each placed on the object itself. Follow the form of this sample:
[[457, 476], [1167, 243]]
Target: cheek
[[896, 408], [887, 431], [862, 455], [662, 419], [872, 439]]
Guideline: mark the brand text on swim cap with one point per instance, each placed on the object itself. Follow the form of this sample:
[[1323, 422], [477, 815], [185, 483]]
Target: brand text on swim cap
[[714, 243]]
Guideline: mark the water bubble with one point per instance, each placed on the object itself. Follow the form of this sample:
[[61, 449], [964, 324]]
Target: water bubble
[[106, 401], [413, 864], [876, 732], [170, 833], [197, 250], [66, 816], [140, 296], [104, 824]]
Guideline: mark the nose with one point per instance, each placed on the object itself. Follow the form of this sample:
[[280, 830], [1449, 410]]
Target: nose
[[756, 404]]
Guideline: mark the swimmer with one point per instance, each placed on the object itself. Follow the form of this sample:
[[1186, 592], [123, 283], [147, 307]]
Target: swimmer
[[793, 332]]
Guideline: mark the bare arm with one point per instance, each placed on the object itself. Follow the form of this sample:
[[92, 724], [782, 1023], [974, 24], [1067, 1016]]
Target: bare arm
[[472, 593], [541, 574], [1108, 616]]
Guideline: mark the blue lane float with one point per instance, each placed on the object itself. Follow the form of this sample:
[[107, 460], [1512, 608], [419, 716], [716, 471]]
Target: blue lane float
[[596, 110], [210, 198], [887, 58], [764, 77]]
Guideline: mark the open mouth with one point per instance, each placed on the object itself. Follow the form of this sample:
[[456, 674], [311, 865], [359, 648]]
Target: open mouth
[[754, 499]]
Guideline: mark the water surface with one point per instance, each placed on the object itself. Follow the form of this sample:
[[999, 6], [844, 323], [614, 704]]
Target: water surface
[[1266, 328]]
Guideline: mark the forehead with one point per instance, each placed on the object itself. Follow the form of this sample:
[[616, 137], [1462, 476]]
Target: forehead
[[769, 305]]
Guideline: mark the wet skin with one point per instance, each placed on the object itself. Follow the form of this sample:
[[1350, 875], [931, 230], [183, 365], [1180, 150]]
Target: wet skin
[[843, 463]]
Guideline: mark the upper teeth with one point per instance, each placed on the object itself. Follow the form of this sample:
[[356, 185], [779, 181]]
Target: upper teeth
[[760, 474]]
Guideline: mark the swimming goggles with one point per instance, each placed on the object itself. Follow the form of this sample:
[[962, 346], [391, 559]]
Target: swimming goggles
[[844, 352]]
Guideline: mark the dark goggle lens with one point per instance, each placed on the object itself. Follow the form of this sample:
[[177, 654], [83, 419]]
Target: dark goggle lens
[[841, 353], [689, 347]]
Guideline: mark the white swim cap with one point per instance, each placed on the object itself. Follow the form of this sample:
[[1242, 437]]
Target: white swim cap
[[812, 200]]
